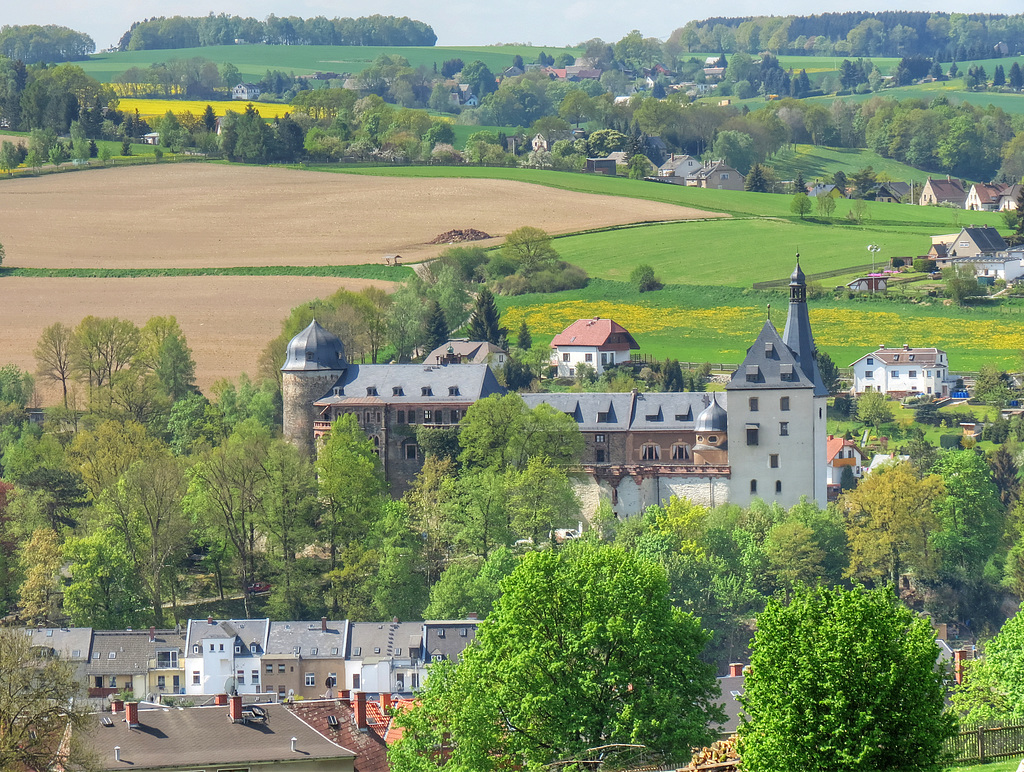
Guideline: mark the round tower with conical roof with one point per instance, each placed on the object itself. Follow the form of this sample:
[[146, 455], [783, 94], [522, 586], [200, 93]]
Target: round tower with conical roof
[[315, 361]]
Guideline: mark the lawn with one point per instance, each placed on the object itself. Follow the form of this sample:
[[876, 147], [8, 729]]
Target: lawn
[[816, 162], [952, 90], [253, 61], [716, 324], [1006, 765]]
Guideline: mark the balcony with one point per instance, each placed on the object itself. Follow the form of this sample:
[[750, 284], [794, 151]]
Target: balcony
[[97, 691]]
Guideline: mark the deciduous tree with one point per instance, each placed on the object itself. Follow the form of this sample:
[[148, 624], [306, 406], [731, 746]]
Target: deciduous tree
[[53, 356], [529, 248]]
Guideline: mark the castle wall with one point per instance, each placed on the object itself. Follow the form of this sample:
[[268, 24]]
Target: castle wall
[[631, 494], [299, 390]]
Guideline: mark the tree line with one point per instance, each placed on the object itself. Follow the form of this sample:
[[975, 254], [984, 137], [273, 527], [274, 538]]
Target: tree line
[[224, 30], [48, 43]]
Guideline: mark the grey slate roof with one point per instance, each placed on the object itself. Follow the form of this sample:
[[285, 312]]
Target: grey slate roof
[[375, 641], [131, 650], [987, 238], [242, 631], [310, 639], [471, 382], [713, 418], [475, 351], [648, 411], [797, 335], [72, 644], [448, 638], [895, 189], [314, 349], [732, 689], [197, 738], [766, 364]]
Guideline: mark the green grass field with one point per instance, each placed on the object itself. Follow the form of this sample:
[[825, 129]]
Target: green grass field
[[253, 61], [815, 162], [952, 90]]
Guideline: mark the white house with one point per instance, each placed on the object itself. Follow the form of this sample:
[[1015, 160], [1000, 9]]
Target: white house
[[1008, 265], [225, 655], [903, 371], [246, 91], [841, 453], [596, 342]]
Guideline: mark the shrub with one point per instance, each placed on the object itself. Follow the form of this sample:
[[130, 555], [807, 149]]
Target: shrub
[[644, 280], [949, 441], [924, 265], [898, 262]]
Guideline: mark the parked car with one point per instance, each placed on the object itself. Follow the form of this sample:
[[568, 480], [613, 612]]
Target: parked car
[[257, 587]]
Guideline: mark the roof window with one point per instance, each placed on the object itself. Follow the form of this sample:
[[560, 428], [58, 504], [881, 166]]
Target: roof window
[[426, 391], [371, 391], [396, 391]]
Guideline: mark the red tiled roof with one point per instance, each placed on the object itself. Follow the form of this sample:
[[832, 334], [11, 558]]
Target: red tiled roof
[[371, 752], [595, 332], [836, 444]]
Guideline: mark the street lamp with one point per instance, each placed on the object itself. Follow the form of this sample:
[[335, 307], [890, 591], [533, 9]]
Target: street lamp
[[873, 249]]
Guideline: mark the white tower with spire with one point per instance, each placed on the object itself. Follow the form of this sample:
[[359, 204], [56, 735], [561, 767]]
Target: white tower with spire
[[777, 413]]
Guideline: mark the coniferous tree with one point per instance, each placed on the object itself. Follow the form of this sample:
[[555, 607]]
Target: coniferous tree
[[999, 76], [1016, 77], [524, 340], [437, 327], [755, 180], [673, 379], [799, 184], [484, 324]]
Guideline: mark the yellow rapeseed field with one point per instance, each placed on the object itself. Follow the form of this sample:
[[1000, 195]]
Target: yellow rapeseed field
[[840, 327], [149, 108]]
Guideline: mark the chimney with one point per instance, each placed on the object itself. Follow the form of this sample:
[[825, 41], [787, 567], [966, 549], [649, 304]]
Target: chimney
[[958, 664], [323, 624], [472, 615], [394, 620], [735, 669], [360, 711], [235, 708], [116, 706], [295, 740], [209, 620], [117, 753], [152, 634], [131, 710], [906, 347], [345, 696], [220, 699], [385, 702]]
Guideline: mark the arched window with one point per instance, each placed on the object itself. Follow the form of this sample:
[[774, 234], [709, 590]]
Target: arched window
[[680, 452]]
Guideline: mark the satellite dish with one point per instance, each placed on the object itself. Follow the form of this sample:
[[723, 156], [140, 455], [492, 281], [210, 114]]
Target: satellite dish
[[229, 686], [396, 697]]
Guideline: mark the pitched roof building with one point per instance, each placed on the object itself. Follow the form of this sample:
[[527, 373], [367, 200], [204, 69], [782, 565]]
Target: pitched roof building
[[596, 342], [462, 351], [947, 191]]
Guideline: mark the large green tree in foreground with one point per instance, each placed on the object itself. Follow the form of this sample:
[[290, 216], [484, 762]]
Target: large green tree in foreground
[[583, 649], [843, 679]]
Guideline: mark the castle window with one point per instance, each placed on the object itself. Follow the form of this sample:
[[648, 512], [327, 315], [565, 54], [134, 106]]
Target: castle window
[[769, 349], [773, 461], [309, 356], [371, 391], [412, 416], [600, 455], [428, 416], [753, 373], [753, 486], [786, 372], [752, 434], [784, 428], [680, 452], [713, 439], [753, 404], [455, 416], [784, 403], [453, 391], [396, 391], [366, 417], [401, 416], [778, 486], [410, 451], [378, 416], [650, 452], [426, 391], [602, 418], [337, 392], [598, 438]]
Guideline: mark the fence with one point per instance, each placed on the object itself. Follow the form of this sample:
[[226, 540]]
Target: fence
[[983, 741], [778, 283]]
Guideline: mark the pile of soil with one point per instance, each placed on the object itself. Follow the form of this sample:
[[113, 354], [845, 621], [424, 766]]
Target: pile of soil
[[456, 236]]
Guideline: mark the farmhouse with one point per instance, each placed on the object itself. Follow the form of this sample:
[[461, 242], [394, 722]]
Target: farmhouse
[[245, 91], [765, 437], [595, 342], [948, 191], [892, 192], [718, 175], [679, 169], [902, 372], [969, 242]]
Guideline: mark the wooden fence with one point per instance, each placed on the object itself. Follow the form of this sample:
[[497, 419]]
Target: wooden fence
[[990, 740]]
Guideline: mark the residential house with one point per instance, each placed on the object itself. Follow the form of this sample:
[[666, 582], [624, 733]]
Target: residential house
[[941, 245], [825, 189], [305, 659], [224, 655], [351, 723], [578, 72], [1008, 265], [463, 351], [714, 74], [385, 657], [731, 687], [539, 143], [902, 372], [446, 639], [948, 191], [153, 138], [71, 644], [1008, 198], [869, 284], [892, 192], [718, 175], [511, 72], [605, 166], [969, 242], [985, 196], [596, 342], [462, 96], [840, 454], [246, 91], [218, 737], [148, 664]]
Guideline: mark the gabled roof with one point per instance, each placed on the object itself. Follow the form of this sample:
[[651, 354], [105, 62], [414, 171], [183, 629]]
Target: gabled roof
[[896, 189], [988, 192], [986, 237], [309, 639], [947, 190], [370, 750], [714, 167], [245, 631], [200, 737], [918, 357], [595, 332], [404, 384], [457, 635], [376, 641], [836, 444], [769, 364], [471, 351]]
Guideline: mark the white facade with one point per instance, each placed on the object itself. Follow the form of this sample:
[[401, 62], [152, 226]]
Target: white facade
[[225, 656], [903, 371], [568, 358], [846, 454], [1008, 266]]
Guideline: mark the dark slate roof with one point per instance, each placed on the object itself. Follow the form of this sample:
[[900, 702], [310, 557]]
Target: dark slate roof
[[767, 361], [198, 738], [474, 351], [310, 639], [895, 189], [650, 411], [457, 635], [242, 631], [987, 238], [798, 336], [376, 641], [71, 643], [314, 349], [713, 418], [732, 689], [131, 650], [471, 382]]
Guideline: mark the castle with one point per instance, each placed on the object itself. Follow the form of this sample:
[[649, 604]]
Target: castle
[[765, 437]]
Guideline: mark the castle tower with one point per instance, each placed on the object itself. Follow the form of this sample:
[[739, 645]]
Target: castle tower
[[711, 429], [777, 405], [314, 363]]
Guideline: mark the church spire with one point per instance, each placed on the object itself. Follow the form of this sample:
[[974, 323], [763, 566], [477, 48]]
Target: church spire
[[797, 335]]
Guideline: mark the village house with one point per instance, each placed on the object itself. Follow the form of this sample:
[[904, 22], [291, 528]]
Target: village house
[[902, 372], [717, 175], [149, 663], [462, 96], [984, 196], [869, 284], [825, 189], [842, 454], [305, 659], [596, 342], [224, 655], [1007, 266], [678, 169], [246, 91], [892, 192], [969, 242], [463, 351], [948, 191], [605, 166]]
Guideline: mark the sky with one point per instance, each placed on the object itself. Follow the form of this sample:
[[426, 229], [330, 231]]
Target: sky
[[459, 22]]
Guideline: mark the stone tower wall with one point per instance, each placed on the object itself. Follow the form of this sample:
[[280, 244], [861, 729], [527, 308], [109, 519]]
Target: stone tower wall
[[299, 390]]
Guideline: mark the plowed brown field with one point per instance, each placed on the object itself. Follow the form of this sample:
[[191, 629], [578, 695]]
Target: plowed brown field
[[206, 215]]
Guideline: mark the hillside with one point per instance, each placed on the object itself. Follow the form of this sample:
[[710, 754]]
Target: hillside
[[816, 162]]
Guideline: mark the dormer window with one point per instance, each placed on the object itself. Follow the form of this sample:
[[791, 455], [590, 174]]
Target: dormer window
[[426, 391], [309, 356], [769, 349], [371, 391], [238, 649], [453, 391], [195, 649], [337, 391], [252, 648], [895, 357], [911, 357], [396, 391]]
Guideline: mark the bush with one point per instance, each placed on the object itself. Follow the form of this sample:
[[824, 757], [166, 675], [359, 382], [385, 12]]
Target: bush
[[924, 265], [558, 278], [949, 441], [898, 262], [644, 280], [499, 266]]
